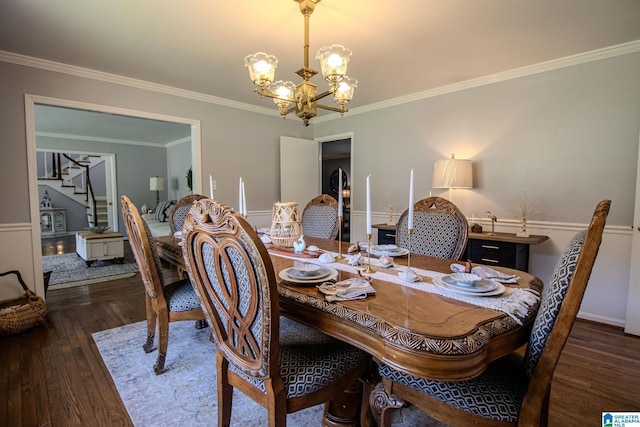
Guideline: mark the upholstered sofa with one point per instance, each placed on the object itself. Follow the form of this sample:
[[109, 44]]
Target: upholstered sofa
[[158, 221]]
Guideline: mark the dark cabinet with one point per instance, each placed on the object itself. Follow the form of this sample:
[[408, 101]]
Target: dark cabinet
[[386, 234], [501, 249]]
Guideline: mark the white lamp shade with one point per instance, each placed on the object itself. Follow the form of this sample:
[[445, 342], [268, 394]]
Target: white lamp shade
[[452, 173], [156, 183]]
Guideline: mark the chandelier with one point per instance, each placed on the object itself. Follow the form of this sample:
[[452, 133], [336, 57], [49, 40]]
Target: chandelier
[[303, 98]]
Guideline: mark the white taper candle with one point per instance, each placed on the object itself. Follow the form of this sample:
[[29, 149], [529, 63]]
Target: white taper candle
[[369, 204], [339, 191], [244, 201], [410, 220]]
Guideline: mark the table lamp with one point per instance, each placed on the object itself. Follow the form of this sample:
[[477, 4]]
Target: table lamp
[[452, 173], [156, 184]]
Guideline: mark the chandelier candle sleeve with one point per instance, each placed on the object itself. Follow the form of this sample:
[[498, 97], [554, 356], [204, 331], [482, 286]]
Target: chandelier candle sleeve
[[339, 191], [410, 219], [369, 204], [210, 187]]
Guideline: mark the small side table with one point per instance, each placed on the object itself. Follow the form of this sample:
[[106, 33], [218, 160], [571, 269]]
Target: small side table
[[93, 247]]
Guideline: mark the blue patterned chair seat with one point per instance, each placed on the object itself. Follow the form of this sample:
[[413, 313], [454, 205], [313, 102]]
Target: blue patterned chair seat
[[310, 360], [180, 296], [496, 394]]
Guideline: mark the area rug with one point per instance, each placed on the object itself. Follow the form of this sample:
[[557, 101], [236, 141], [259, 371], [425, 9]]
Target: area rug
[[70, 270], [185, 394]]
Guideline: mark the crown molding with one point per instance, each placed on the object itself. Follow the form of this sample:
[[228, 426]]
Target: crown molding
[[581, 58], [44, 64], [556, 64]]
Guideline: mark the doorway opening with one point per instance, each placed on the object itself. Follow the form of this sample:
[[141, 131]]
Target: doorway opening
[[336, 156], [131, 179]]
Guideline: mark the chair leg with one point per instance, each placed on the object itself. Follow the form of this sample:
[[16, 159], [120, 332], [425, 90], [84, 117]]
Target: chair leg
[[163, 342], [151, 326], [381, 402], [225, 392]]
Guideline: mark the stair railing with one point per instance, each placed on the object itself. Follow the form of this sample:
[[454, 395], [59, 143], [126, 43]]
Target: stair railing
[[89, 195]]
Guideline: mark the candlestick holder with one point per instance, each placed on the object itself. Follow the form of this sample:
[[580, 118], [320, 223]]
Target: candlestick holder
[[369, 270], [340, 238]]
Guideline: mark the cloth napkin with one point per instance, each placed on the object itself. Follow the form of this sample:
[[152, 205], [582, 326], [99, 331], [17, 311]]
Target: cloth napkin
[[346, 290], [487, 273]]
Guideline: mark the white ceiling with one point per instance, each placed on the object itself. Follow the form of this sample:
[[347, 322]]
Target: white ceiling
[[400, 47]]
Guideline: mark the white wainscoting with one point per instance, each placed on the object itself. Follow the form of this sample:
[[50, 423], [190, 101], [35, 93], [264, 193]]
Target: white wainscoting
[[17, 252], [605, 299]]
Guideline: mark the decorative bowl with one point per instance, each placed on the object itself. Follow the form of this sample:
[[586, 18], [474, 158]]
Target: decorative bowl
[[98, 230], [306, 268], [466, 279]]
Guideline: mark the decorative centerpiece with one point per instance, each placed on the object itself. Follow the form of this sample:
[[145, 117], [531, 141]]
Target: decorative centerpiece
[[99, 229], [286, 225], [527, 211]]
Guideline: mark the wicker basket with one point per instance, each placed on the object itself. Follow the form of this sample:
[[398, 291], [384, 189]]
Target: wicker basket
[[21, 313]]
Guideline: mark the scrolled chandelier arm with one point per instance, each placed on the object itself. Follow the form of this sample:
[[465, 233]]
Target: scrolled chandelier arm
[[302, 98]]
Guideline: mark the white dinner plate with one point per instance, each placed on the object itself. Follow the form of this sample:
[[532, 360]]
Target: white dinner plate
[[285, 275], [499, 289], [389, 250], [481, 286]]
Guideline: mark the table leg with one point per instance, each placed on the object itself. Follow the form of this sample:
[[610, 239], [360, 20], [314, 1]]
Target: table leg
[[344, 409]]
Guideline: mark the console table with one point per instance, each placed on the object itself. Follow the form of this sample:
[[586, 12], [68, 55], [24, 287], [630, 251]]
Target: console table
[[502, 249], [499, 249]]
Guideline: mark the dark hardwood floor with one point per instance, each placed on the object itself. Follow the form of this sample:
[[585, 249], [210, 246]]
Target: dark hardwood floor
[[53, 375]]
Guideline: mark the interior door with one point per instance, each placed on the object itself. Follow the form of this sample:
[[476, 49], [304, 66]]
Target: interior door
[[632, 323], [299, 170]]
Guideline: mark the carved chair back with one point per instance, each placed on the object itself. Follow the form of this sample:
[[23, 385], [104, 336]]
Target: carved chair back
[[234, 278], [144, 250], [320, 217], [439, 229], [179, 211]]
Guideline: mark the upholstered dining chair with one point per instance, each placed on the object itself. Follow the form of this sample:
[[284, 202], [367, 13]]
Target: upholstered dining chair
[[165, 302], [439, 229], [180, 210], [320, 217], [514, 390], [281, 364]]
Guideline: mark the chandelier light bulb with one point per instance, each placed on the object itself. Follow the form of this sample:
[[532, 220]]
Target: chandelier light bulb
[[344, 90], [262, 68], [334, 60]]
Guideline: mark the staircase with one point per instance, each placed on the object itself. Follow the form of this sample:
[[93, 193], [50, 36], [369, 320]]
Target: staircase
[[68, 178]]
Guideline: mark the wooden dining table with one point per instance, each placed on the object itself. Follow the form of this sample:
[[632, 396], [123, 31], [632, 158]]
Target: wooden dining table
[[421, 333]]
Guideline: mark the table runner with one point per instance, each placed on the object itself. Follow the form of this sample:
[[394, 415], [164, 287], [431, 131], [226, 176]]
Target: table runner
[[515, 302]]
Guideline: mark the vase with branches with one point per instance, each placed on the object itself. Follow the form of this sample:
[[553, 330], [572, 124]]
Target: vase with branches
[[528, 210]]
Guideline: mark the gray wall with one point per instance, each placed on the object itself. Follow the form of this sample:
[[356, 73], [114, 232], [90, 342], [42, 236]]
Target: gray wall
[[568, 137]]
